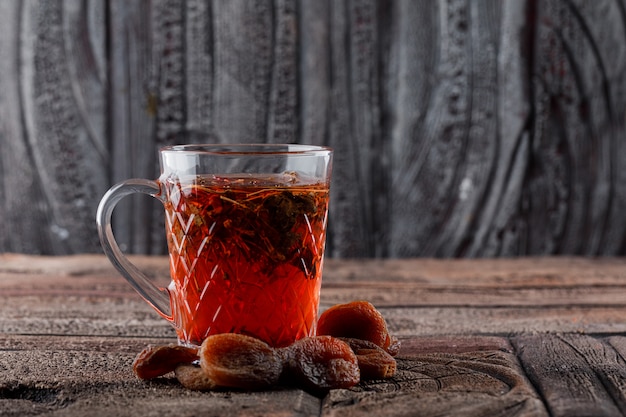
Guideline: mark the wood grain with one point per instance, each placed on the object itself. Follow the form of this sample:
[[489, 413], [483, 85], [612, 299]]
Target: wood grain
[[71, 326], [47, 374], [577, 375], [473, 384], [418, 297], [461, 128], [53, 136]]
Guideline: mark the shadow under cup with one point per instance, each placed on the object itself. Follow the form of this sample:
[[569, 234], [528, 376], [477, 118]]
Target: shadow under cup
[[246, 230]]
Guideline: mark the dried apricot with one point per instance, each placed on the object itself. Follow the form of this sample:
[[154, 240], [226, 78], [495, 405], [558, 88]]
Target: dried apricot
[[353, 342], [321, 363], [192, 377], [374, 361], [358, 320], [240, 361], [156, 361], [393, 345]]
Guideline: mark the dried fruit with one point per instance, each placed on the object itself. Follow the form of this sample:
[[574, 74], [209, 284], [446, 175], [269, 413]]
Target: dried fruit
[[321, 363], [156, 361], [353, 344], [374, 361], [393, 345], [358, 320], [240, 361], [192, 377]]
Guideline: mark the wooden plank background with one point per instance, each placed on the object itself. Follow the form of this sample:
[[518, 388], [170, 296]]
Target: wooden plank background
[[523, 337], [462, 128]]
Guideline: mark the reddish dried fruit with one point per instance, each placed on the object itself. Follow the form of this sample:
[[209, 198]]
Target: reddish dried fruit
[[321, 363], [316, 364], [240, 361], [156, 361], [374, 361], [357, 320], [194, 378]]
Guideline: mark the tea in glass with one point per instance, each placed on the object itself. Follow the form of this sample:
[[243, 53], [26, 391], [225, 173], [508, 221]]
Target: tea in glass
[[246, 229], [246, 255]]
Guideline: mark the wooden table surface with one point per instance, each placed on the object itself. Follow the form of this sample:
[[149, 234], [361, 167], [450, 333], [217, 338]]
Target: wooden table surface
[[515, 337]]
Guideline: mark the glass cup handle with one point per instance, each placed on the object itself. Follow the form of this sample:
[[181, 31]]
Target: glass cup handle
[[158, 298]]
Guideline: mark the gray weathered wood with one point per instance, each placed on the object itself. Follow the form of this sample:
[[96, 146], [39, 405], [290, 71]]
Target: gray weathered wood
[[461, 128], [422, 297], [71, 326], [44, 375], [446, 383], [577, 375], [53, 136]]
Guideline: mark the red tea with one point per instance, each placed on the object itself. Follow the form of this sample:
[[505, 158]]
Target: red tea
[[246, 255]]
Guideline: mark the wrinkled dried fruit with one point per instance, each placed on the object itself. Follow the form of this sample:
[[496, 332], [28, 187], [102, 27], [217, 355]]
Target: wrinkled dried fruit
[[156, 361], [194, 378], [374, 361], [357, 320], [240, 361], [393, 345], [353, 343], [321, 363]]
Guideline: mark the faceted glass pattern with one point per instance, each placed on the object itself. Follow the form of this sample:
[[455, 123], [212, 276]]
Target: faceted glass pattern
[[246, 260]]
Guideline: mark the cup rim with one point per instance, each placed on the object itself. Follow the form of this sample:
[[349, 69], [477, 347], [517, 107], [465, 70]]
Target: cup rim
[[248, 149]]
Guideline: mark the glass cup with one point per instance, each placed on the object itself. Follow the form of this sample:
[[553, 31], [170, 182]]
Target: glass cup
[[246, 230]]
